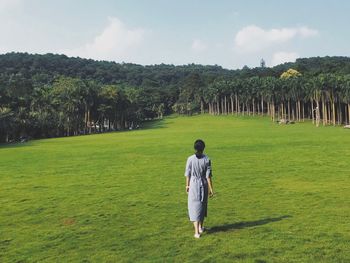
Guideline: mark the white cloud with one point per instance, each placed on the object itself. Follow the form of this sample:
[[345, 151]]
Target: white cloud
[[253, 38], [115, 42], [9, 12], [307, 32], [282, 57], [198, 45], [5, 5]]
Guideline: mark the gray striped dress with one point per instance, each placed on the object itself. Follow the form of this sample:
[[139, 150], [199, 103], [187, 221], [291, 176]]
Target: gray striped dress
[[198, 169]]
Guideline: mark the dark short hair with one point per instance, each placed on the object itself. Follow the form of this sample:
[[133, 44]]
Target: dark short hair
[[199, 145]]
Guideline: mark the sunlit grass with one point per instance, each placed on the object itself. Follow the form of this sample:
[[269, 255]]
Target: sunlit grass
[[282, 194]]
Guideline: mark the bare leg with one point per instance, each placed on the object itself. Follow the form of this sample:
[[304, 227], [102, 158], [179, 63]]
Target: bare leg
[[196, 227], [201, 224]]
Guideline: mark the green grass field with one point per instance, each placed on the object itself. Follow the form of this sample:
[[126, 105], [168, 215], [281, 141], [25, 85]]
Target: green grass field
[[283, 194]]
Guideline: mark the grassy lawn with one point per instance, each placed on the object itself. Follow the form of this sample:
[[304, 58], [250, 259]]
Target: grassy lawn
[[283, 194]]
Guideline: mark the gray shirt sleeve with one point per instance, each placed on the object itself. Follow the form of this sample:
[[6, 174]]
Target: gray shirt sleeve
[[188, 167]]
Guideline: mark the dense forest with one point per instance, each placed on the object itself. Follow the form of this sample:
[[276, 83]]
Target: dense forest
[[54, 95]]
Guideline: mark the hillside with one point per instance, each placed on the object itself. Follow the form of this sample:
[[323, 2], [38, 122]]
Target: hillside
[[136, 75]]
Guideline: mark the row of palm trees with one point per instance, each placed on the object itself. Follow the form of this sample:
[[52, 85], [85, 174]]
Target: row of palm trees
[[323, 99]]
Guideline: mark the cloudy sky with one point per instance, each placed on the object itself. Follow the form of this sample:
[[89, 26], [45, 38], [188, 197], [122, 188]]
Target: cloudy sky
[[228, 33]]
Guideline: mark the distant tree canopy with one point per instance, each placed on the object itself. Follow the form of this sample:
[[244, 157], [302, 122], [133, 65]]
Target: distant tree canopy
[[54, 95]]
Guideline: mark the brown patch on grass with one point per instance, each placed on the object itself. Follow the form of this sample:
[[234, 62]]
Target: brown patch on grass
[[68, 221]]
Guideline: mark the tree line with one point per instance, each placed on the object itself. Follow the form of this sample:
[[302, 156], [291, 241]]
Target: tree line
[[72, 106], [53, 95], [323, 98]]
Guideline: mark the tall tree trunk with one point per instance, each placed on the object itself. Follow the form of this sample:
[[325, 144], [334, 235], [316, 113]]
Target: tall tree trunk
[[303, 111], [89, 121], [324, 116], [282, 111], [333, 111], [236, 103], [68, 130], [279, 110], [217, 106], [231, 97], [253, 107], [312, 111], [222, 105], [289, 109], [339, 113], [85, 128], [345, 116], [317, 113], [328, 113], [225, 102], [238, 107]]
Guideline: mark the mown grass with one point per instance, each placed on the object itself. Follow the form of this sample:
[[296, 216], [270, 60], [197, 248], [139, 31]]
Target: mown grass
[[282, 195]]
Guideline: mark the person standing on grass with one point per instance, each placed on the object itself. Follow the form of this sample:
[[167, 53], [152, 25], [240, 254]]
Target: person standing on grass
[[198, 183]]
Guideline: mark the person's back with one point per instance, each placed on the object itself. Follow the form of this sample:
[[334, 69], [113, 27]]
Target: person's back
[[198, 179], [199, 165]]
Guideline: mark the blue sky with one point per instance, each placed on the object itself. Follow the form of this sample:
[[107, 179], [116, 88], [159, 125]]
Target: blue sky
[[228, 33]]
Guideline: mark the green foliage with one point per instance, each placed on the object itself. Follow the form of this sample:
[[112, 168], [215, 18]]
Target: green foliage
[[53, 95]]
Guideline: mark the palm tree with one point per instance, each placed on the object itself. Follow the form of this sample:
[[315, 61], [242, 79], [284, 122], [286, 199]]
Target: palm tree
[[6, 122], [346, 95], [68, 98]]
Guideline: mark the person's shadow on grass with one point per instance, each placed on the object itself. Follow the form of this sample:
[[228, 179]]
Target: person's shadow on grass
[[245, 224]]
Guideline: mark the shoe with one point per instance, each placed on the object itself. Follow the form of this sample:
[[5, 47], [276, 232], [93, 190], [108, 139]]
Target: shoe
[[201, 230], [197, 235]]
